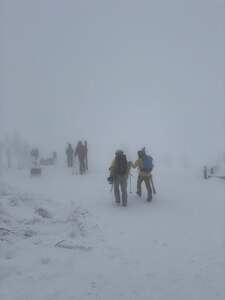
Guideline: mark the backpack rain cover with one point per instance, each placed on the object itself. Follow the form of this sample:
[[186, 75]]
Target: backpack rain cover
[[147, 163]]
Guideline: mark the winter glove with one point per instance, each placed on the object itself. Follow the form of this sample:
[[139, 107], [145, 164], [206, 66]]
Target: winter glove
[[110, 179]]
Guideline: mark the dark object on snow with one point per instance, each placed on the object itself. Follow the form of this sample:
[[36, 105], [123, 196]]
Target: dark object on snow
[[35, 171], [47, 161], [42, 212]]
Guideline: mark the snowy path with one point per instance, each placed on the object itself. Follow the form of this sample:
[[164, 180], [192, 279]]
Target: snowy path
[[69, 240]]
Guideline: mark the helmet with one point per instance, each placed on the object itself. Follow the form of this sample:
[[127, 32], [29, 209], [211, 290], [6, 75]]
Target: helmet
[[119, 152]]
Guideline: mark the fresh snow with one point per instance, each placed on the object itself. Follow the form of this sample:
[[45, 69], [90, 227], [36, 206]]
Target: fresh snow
[[62, 237]]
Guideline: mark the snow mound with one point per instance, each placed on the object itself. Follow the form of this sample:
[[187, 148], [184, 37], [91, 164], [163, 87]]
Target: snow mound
[[28, 216]]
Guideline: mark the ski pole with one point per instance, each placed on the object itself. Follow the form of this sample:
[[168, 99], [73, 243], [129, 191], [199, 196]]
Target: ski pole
[[130, 183], [153, 187]]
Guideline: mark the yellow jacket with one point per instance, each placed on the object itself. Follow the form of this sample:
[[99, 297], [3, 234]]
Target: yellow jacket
[[139, 163], [113, 168]]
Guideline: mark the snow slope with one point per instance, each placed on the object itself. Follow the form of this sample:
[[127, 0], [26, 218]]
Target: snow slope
[[62, 237]]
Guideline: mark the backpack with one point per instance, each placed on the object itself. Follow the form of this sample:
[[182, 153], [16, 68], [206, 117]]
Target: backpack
[[147, 163], [81, 150], [121, 164]]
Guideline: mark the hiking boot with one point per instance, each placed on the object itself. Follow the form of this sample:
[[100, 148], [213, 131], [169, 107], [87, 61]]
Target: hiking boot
[[118, 202], [138, 193], [148, 199]]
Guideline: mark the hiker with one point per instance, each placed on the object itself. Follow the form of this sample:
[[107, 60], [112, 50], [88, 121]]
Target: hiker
[[81, 152], [69, 154], [145, 166], [34, 153], [119, 171]]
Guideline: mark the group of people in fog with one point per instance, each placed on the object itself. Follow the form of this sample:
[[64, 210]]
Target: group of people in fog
[[120, 171], [76, 157], [79, 151]]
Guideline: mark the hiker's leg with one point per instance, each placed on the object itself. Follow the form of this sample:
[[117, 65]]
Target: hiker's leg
[[139, 182], [116, 189], [149, 189], [80, 164], [123, 184]]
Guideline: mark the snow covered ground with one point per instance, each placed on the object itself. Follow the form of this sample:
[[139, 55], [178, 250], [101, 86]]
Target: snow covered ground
[[62, 237]]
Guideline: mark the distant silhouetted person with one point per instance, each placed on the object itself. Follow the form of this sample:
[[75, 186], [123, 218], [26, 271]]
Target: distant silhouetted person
[[81, 152], [34, 155], [69, 154]]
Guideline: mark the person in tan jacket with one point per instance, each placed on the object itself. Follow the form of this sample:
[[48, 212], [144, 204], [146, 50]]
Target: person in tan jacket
[[144, 175]]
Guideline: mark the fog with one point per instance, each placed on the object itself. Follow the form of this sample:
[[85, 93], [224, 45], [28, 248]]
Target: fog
[[119, 74]]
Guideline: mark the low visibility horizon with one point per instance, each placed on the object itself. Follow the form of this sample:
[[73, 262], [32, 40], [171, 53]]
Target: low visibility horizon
[[119, 74]]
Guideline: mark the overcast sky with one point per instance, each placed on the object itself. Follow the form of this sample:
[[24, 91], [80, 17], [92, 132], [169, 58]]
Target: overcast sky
[[117, 73]]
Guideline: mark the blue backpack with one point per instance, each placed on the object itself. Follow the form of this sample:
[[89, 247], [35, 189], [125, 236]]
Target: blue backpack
[[147, 163]]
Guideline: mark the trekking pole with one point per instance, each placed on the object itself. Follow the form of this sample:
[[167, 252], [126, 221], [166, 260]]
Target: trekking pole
[[153, 187], [75, 164], [73, 172], [73, 168], [130, 183]]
